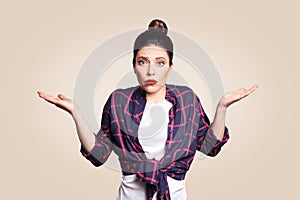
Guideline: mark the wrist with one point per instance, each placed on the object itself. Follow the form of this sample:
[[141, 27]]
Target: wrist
[[75, 111], [221, 108]]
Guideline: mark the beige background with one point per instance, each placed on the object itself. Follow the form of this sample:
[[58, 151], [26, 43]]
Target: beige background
[[44, 44]]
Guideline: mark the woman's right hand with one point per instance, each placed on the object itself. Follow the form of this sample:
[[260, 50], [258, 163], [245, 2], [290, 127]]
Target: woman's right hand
[[60, 101]]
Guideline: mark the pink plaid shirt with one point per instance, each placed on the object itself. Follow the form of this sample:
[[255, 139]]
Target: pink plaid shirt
[[188, 130]]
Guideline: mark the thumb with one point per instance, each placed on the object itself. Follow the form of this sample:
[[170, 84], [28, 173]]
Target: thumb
[[61, 96]]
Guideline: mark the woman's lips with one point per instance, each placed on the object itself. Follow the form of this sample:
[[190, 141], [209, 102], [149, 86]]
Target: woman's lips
[[150, 82]]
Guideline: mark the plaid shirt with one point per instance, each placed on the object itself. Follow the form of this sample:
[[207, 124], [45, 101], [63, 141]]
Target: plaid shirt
[[188, 130]]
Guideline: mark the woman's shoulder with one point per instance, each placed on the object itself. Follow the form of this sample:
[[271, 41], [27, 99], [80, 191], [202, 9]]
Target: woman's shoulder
[[126, 90], [124, 94], [181, 90]]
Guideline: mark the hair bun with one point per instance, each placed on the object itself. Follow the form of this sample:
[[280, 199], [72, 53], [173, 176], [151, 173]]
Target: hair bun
[[158, 25]]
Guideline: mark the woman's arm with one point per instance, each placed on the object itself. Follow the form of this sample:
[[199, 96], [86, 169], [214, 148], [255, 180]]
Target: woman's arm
[[218, 124], [86, 136]]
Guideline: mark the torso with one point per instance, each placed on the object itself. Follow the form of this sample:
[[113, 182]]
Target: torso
[[152, 134]]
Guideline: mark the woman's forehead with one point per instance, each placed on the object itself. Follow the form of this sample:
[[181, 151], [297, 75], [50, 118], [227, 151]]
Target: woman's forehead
[[152, 51]]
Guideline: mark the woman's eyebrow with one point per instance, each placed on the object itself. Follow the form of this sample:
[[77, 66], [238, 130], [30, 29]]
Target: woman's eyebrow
[[143, 57], [147, 58], [160, 58]]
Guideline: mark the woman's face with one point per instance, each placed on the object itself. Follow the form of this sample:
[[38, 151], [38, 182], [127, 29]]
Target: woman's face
[[152, 68]]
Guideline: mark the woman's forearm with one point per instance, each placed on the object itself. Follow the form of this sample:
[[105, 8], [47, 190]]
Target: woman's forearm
[[218, 124], [86, 136]]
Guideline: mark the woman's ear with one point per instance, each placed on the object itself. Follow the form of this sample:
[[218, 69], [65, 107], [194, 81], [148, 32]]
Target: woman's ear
[[134, 69], [171, 69]]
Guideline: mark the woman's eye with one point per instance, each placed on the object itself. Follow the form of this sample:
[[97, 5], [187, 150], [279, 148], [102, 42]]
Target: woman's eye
[[161, 63], [142, 62]]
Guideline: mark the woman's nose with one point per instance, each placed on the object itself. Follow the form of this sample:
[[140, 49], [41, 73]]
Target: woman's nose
[[151, 69]]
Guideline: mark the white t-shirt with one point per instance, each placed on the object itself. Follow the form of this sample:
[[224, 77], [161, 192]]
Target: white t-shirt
[[152, 134]]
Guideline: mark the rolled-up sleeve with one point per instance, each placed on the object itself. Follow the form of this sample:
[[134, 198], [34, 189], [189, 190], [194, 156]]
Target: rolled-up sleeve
[[207, 142]]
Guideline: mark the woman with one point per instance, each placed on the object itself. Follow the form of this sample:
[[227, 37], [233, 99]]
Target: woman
[[154, 128]]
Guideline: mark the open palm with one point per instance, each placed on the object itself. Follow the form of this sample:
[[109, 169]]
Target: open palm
[[231, 97], [60, 101]]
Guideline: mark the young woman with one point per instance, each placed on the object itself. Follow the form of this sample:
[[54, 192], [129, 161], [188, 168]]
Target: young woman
[[155, 128]]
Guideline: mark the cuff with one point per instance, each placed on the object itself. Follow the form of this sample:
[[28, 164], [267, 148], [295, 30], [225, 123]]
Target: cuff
[[92, 156]]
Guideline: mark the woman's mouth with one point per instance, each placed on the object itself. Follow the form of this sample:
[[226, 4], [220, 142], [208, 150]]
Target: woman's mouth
[[150, 82]]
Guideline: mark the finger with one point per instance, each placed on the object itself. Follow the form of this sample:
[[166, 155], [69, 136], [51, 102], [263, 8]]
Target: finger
[[52, 99], [252, 89], [238, 91], [241, 93], [241, 90], [40, 93], [49, 98], [61, 96], [43, 95]]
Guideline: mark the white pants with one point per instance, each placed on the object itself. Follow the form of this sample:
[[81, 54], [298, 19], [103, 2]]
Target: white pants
[[132, 189]]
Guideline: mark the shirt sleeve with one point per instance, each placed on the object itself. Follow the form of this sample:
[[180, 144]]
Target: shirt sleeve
[[103, 140], [207, 142]]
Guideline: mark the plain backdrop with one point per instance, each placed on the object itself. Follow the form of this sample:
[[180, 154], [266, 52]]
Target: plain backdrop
[[45, 43]]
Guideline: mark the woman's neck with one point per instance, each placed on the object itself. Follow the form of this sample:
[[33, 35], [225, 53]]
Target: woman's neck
[[156, 97]]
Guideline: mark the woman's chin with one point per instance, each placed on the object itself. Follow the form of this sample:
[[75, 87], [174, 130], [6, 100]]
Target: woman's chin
[[151, 89]]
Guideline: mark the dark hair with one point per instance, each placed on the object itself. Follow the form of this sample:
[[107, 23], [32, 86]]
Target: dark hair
[[156, 35]]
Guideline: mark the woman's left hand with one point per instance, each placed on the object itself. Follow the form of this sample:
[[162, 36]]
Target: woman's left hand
[[231, 97]]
